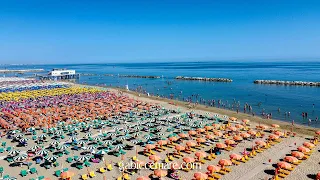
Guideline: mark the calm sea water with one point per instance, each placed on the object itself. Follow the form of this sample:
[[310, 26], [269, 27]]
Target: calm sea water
[[262, 98]]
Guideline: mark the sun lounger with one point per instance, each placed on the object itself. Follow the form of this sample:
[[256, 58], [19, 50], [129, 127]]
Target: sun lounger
[[57, 173], [33, 170], [23, 173], [222, 172], [91, 174], [84, 177], [235, 162], [282, 175], [102, 170], [284, 171], [109, 167]]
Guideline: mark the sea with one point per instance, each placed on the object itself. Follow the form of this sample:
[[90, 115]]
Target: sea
[[276, 100]]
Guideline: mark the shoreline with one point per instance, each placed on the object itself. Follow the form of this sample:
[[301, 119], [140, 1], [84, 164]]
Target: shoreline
[[297, 128]]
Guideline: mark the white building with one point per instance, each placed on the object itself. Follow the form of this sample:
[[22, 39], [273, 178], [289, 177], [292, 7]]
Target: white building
[[61, 72]]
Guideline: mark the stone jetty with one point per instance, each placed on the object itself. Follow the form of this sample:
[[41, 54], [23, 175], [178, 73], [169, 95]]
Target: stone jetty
[[138, 76], [287, 83], [203, 79]]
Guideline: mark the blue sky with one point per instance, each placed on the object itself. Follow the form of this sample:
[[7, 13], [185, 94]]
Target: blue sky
[[81, 31]]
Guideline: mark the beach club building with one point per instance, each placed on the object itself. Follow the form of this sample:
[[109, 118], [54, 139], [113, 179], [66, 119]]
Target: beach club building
[[61, 74]]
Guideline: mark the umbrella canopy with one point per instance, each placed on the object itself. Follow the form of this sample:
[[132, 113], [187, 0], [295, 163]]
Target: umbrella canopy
[[150, 146], [308, 145], [42, 152], [284, 165], [183, 135], [20, 157], [55, 143], [209, 136], [191, 132], [235, 156], [154, 158], [143, 178], [278, 133], [14, 152], [108, 142], [162, 142], [160, 173], [245, 135], [34, 148], [173, 138], [200, 176], [191, 143], [273, 136], [239, 126], [83, 158], [297, 154], [245, 121], [91, 147], [275, 125], [225, 162], [221, 145], [218, 133], [229, 142], [317, 132], [200, 140], [291, 159], [213, 168], [101, 152], [252, 132], [118, 147], [179, 148], [261, 143], [303, 149], [201, 154], [51, 158], [62, 147], [237, 138], [66, 174], [188, 159], [232, 128]]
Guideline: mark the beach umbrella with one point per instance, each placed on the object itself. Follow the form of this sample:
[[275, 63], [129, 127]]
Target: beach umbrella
[[317, 132], [55, 143], [261, 143], [43, 136], [200, 176], [34, 148], [143, 178], [23, 140], [229, 142], [201, 130], [154, 158], [192, 132], [148, 137], [137, 128], [284, 165], [183, 135], [233, 118], [297, 154], [97, 138], [239, 126], [291, 159], [51, 158], [159, 128], [91, 147], [82, 142], [232, 128], [179, 148], [303, 149], [42, 152], [200, 154], [225, 162], [213, 168], [9, 178], [66, 175], [191, 143], [245, 135], [162, 142], [62, 147], [83, 158], [221, 145], [160, 134], [208, 128], [14, 152], [102, 152], [160, 173], [278, 133], [18, 136], [308, 145], [245, 121], [235, 156], [273, 136], [108, 142], [122, 138], [252, 132], [118, 147], [237, 138], [135, 141], [218, 133], [20, 157], [275, 125], [73, 138], [188, 159], [136, 134], [150, 146]]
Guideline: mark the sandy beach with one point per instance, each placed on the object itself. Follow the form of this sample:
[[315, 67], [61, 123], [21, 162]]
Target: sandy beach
[[133, 132]]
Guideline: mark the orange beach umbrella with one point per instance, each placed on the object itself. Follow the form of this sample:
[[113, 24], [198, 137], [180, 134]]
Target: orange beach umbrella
[[200, 176]]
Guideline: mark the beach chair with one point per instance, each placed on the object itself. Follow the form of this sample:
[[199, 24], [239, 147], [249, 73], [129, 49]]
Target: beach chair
[[102, 170], [1, 150], [57, 173], [134, 158], [9, 159], [109, 167], [9, 148], [23, 173], [215, 176], [4, 144], [79, 166], [284, 171], [69, 159], [119, 178], [84, 176], [235, 162], [91, 174], [166, 160], [282, 175], [87, 164], [40, 177], [65, 169], [33, 170], [171, 158], [226, 169], [222, 172]]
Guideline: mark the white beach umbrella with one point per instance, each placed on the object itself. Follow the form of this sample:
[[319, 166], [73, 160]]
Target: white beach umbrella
[[20, 157]]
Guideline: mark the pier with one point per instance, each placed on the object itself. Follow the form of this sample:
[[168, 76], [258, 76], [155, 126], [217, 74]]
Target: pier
[[138, 76], [287, 83], [20, 70], [203, 79]]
